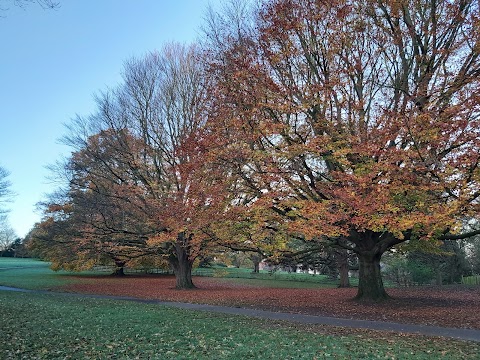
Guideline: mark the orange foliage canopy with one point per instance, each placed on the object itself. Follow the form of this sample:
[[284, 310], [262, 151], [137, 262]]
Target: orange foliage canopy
[[356, 121]]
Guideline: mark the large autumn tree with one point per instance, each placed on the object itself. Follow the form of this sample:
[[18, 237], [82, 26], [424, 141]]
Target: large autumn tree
[[141, 160], [91, 221], [355, 122]]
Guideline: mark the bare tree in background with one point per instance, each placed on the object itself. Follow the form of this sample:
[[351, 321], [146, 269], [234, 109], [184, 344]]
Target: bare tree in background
[[233, 21], [45, 4], [5, 192], [7, 235]]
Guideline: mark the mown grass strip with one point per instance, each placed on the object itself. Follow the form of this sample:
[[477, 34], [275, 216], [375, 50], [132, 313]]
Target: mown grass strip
[[242, 273], [471, 280], [37, 275], [272, 283], [60, 327]]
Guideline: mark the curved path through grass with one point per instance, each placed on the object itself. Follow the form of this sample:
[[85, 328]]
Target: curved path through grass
[[462, 334]]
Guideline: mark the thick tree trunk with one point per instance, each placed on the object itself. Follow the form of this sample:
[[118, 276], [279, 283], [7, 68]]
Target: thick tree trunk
[[438, 277], [370, 285], [256, 259], [119, 271], [341, 257], [182, 264], [183, 274], [119, 268], [344, 278]]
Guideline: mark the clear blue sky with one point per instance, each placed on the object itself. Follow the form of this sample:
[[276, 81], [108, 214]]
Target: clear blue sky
[[51, 64]]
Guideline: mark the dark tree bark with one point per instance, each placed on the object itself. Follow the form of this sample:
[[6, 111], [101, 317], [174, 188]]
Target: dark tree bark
[[341, 257], [183, 274], [119, 268], [256, 259], [438, 273], [369, 247], [182, 264], [370, 285]]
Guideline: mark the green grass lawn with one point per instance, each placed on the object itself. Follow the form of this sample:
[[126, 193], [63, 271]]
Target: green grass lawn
[[8, 262], [272, 283], [34, 274], [279, 279], [29, 274], [56, 326], [233, 272]]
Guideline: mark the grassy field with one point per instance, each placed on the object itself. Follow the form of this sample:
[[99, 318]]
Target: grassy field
[[29, 274], [272, 283], [39, 326], [35, 274], [471, 280], [265, 278], [59, 326]]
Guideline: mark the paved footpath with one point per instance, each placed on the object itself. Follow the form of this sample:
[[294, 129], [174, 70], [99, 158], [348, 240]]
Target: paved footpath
[[462, 334]]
